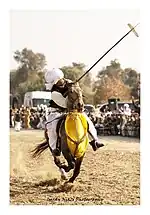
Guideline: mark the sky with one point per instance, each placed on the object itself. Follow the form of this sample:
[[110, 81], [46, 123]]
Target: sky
[[77, 36]]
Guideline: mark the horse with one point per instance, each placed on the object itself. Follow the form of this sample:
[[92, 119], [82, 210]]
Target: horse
[[72, 130]]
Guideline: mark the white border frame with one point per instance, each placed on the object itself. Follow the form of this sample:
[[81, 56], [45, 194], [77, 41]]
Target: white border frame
[[4, 39]]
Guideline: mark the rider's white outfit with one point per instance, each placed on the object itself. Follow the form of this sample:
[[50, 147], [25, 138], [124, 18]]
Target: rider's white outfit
[[52, 78]]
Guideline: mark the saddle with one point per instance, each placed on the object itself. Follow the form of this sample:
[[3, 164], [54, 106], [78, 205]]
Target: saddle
[[76, 128]]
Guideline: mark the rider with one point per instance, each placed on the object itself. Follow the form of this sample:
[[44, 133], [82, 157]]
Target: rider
[[56, 84]]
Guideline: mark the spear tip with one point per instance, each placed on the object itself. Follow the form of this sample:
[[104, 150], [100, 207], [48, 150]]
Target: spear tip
[[133, 29]]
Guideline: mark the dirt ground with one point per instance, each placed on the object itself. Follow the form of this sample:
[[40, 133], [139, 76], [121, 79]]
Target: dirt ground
[[109, 176]]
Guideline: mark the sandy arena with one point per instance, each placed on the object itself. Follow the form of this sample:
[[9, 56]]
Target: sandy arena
[[109, 176]]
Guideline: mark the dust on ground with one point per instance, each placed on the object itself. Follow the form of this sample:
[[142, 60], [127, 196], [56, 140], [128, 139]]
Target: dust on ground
[[109, 176]]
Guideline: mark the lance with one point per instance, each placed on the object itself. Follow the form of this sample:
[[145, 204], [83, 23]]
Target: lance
[[131, 29]]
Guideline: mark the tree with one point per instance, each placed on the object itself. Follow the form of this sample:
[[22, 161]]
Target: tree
[[29, 76], [73, 73], [132, 79], [29, 65], [30, 60], [112, 80], [128, 79], [110, 88], [113, 70], [12, 81]]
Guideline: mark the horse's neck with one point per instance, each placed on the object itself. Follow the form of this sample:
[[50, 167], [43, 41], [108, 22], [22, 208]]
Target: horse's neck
[[73, 106]]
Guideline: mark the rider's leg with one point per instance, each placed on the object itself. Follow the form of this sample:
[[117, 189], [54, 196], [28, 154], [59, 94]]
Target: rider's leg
[[52, 134], [93, 133]]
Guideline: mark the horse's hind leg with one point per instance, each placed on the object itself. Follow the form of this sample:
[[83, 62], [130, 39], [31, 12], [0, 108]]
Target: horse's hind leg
[[59, 163], [61, 167], [77, 169]]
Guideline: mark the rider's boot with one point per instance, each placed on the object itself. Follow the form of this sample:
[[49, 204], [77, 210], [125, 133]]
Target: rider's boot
[[95, 144]]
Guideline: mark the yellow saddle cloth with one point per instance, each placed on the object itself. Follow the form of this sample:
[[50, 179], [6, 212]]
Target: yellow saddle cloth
[[76, 130]]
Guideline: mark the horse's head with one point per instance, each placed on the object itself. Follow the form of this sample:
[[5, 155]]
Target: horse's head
[[75, 99]]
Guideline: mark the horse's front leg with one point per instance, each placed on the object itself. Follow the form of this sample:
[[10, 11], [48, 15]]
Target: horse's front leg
[[76, 169]]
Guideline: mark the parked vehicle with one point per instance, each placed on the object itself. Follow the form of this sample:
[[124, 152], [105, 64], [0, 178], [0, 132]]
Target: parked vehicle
[[36, 98]]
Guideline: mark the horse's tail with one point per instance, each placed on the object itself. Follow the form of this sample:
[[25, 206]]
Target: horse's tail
[[40, 148]]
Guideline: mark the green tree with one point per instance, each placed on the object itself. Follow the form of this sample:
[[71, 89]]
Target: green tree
[[30, 60], [12, 81], [74, 72], [29, 75], [112, 70]]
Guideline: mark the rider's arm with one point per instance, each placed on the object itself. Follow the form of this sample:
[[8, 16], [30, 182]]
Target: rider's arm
[[54, 105]]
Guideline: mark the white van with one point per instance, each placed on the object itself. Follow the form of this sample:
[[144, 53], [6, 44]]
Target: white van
[[36, 98]]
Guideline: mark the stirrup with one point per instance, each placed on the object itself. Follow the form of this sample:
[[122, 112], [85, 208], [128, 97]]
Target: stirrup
[[95, 145]]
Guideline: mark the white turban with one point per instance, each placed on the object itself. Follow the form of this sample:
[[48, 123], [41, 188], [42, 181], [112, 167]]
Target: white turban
[[52, 76]]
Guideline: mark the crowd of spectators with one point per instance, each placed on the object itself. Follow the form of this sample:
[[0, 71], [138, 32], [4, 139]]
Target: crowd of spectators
[[117, 124], [26, 118], [125, 122]]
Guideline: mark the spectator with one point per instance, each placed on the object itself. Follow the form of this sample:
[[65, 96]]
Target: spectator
[[126, 110], [27, 118], [17, 121]]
